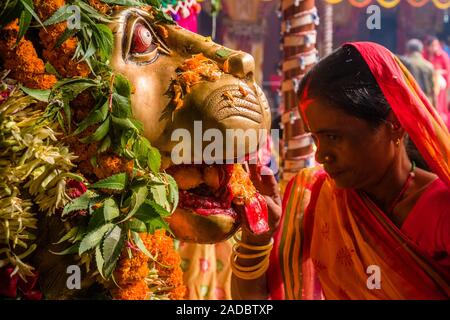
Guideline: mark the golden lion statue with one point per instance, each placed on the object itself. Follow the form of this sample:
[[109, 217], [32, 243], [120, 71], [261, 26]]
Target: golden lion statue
[[90, 100]]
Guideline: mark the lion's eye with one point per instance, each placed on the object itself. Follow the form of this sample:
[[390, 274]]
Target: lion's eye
[[142, 40]]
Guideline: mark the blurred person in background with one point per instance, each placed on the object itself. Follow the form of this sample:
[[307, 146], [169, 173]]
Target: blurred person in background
[[421, 69], [438, 57]]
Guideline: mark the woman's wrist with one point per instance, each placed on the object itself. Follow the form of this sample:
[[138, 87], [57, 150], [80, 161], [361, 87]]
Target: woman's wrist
[[252, 239]]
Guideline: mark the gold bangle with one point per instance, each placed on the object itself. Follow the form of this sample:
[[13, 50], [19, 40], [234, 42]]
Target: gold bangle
[[254, 247], [249, 268], [247, 255], [250, 275]]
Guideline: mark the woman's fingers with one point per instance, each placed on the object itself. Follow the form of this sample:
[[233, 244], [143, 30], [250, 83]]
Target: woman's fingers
[[264, 181]]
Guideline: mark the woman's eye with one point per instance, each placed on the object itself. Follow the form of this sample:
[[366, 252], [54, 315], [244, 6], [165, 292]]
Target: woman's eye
[[332, 137], [142, 41]]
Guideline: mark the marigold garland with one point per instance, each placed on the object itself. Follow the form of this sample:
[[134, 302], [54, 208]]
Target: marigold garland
[[138, 277], [133, 275], [22, 60], [60, 57]]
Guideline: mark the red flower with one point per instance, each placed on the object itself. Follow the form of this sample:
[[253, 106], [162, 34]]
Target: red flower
[[5, 91], [75, 188], [10, 285]]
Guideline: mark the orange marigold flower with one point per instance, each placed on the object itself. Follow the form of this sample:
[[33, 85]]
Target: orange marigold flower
[[168, 262], [22, 59], [61, 57], [136, 291], [110, 164]]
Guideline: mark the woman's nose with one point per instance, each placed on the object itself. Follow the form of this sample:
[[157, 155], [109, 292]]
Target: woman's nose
[[322, 156]]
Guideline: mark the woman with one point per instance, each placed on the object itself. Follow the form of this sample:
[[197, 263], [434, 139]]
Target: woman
[[441, 63], [368, 223]]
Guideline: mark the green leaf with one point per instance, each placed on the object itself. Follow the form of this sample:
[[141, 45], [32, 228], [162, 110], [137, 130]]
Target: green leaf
[[88, 53], [60, 15], [157, 223], [67, 34], [138, 195], [158, 209], [141, 151], [41, 95], [105, 145], [100, 133], [121, 106], [95, 116], [80, 234], [70, 234], [223, 53], [24, 24], [159, 195], [80, 203], [67, 111], [88, 13], [151, 214], [97, 219], [112, 247], [136, 225], [99, 261], [154, 3], [94, 237], [125, 124], [154, 159], [10, 10], [28, 5], [140, 244], [173, 192], [51, 69], [104, 41], [70, 250], [114, 182], [71, 88], [122, 85], [124, 2], [111, 209]]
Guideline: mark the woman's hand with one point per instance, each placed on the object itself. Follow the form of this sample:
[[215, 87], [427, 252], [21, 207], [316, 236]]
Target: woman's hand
[[264, 181]]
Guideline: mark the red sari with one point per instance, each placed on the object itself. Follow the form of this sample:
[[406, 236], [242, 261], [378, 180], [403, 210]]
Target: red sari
[[329, 238]]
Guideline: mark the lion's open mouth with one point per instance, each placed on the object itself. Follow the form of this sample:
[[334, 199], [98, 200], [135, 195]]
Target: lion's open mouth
[[218, 189], [204, 188]]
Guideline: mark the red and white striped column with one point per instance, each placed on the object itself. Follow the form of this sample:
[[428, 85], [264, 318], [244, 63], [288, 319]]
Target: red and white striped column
[[299, 21]]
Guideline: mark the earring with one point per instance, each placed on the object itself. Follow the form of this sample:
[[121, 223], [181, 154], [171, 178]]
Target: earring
[[397, 142], [326, 158]]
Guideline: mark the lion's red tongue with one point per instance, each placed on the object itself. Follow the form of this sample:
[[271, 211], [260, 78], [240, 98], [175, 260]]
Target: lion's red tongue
[[243, 192], [256, 214]]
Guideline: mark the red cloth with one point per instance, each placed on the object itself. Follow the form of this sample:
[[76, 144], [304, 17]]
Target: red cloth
[[428, 224], [426, 230]]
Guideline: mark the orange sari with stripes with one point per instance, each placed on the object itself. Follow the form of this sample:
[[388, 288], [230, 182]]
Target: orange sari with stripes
[[330, 239]]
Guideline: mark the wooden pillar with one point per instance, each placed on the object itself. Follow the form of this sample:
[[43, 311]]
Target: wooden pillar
[[299, 21]]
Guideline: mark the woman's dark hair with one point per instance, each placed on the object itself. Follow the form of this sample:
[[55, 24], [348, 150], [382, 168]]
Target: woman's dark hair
[[344, 81]]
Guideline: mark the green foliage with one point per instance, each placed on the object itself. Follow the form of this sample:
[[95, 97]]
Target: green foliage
[[41, 95], [18, 9], [116, 209], [116, 182], [94, 237], [111, 249]]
